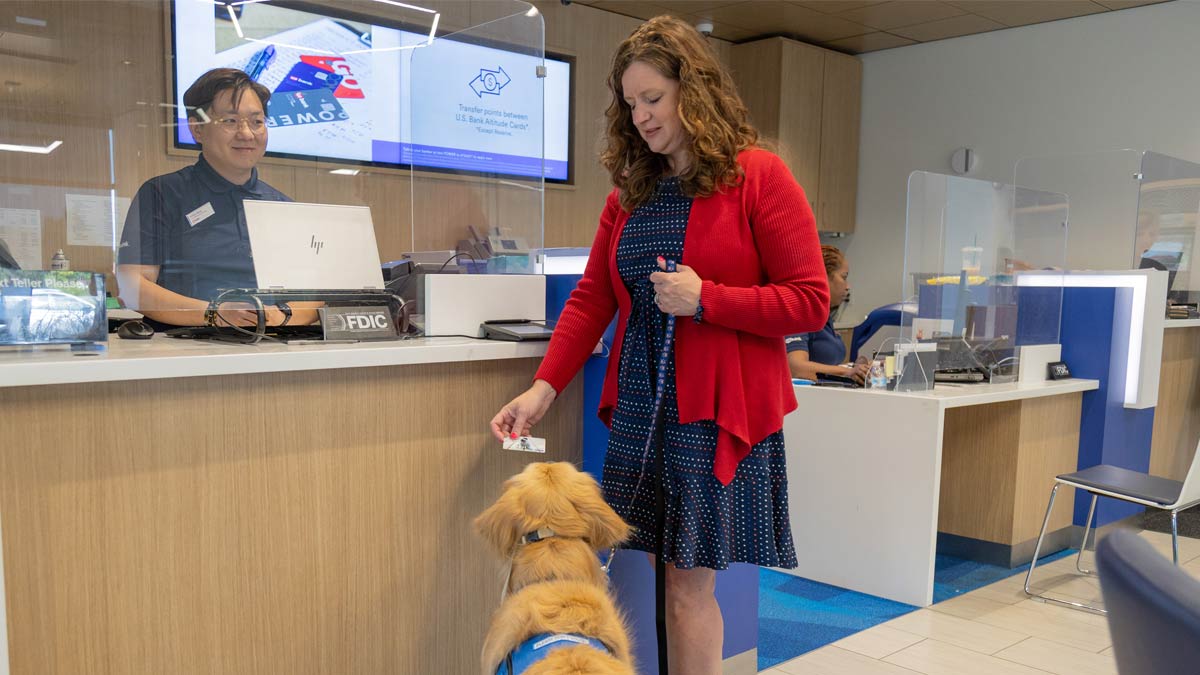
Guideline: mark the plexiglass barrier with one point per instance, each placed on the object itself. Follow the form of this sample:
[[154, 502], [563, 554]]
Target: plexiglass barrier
[[100, 156], [1130, 209], [1168, 227], [477, 116], [967, 242]]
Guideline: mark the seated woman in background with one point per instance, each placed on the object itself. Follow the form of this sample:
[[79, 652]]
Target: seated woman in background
[[811, 355]]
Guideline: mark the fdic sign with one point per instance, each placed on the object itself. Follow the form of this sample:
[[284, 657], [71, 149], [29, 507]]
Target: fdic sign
[[357, 323]]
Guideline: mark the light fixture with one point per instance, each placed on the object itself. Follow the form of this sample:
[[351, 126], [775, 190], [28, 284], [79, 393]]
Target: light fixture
[[344, 172], [237, 26], [35, 149], [1145, 322]]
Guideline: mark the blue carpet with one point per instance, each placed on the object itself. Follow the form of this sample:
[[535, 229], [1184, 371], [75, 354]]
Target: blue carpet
[[796, 615]]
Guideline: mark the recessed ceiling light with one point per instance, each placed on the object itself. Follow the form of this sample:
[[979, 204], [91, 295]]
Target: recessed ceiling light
[[29, 21], [344, 172]]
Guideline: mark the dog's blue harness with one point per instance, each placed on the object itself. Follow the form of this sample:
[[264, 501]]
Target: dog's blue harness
[[539, 647]]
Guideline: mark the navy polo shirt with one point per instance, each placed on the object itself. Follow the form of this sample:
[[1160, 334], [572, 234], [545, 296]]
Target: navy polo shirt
[[192, 225], [825, 346]]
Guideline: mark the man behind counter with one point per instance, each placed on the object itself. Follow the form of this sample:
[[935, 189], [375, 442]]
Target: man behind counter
[[185, 236]]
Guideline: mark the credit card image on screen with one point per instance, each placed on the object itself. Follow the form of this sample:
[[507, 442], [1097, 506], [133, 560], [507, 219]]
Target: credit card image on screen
[[342, 91]]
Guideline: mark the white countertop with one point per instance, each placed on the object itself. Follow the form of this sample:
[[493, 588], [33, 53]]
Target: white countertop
[[948, 395], [164, 357], [1181, 323]]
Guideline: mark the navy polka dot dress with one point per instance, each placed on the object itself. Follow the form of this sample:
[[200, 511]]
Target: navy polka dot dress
[[707, 524]]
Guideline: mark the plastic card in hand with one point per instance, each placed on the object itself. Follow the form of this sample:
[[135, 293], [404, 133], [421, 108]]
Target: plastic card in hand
[[525, 444]]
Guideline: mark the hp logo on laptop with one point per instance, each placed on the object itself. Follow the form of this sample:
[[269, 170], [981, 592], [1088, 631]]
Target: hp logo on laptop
[[316, 245]]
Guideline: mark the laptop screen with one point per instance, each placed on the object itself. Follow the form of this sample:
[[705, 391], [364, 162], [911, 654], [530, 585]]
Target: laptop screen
[[313, 246]]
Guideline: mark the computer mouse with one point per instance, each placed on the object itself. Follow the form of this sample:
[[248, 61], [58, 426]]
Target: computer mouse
[[135, 330]]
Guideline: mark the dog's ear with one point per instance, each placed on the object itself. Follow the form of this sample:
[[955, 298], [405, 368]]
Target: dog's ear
[[501, 523], [604, 527]]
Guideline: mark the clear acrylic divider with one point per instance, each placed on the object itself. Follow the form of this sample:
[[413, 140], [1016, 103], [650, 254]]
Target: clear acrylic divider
[[475, 142], [967, 242], [337, 98], [1168, 226], [1130, 209]]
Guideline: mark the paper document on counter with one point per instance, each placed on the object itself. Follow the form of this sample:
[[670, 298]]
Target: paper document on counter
[[21, 230]]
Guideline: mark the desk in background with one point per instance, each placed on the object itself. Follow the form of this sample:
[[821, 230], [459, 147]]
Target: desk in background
[[873, 476]]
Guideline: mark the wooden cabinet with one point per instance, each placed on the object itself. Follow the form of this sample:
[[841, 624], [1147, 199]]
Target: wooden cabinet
[[807, 101]]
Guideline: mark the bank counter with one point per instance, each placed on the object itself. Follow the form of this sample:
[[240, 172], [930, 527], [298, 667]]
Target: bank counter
[[180, 507], [874, 477], [1177, 418], [880, 480]]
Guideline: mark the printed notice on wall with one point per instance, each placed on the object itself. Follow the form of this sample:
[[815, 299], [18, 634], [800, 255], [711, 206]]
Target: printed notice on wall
[[21, 231], [92, 219]]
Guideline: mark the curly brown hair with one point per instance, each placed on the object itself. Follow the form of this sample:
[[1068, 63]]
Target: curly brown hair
[[710, 110]]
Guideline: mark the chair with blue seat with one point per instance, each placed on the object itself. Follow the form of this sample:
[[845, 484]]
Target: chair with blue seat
[[1153, 607], [887, 315], [1105, 480]]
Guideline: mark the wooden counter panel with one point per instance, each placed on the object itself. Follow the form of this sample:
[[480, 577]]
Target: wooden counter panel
[[1049, 447], [979, 461], [999, 462], [300, 522], [1177, 416]]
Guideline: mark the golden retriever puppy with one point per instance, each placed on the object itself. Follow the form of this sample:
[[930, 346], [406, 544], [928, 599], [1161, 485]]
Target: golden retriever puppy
[[550, 521]]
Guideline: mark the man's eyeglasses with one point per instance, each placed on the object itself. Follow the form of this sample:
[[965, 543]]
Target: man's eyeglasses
[[231, 125]]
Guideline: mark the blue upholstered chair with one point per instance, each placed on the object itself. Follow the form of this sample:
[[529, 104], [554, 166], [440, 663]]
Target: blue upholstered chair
[[1153, 608], [1128, 486], [887, 315]]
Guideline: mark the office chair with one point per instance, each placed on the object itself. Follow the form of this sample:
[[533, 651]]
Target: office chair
[[887, 315], [1129, 486], [1153, 607]]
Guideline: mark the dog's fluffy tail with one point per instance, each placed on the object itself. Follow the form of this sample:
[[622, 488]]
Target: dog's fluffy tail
[[579, 660]]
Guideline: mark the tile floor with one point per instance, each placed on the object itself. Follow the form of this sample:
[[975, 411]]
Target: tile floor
[[994, 630]]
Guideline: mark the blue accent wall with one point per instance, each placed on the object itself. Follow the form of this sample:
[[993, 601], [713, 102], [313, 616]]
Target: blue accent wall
[[1095, 340], [632, 575]]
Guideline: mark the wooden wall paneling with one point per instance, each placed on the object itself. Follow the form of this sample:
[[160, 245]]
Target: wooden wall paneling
[[842, 104], [591, 36], [301, 522], [1177, 416], [390, 198]]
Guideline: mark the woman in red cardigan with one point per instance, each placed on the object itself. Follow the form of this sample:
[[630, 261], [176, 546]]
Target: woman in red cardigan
[[690, 186]]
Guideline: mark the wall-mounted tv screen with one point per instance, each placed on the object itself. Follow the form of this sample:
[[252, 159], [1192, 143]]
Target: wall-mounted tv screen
[[347, 89]]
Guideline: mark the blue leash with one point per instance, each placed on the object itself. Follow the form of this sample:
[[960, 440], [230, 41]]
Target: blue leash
[[660, 565], [668, 342]]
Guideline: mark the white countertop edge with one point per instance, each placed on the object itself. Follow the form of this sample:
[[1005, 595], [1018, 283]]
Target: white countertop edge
[[999, 393], [1181, 323], [957, 396], [149, 361]]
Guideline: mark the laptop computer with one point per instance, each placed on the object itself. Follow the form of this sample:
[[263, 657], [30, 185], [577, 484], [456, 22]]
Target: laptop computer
[[313, 246]]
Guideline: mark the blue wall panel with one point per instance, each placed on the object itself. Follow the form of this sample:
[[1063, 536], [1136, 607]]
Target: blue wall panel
[[1095, 339]]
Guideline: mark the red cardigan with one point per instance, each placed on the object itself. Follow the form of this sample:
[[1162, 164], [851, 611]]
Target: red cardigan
[[755, 247]]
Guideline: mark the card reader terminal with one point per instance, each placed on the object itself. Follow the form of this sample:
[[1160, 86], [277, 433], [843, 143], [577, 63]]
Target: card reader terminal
[[515, 331]]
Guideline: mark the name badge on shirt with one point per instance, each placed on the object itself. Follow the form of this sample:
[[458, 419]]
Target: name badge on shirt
[[196, 217]]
